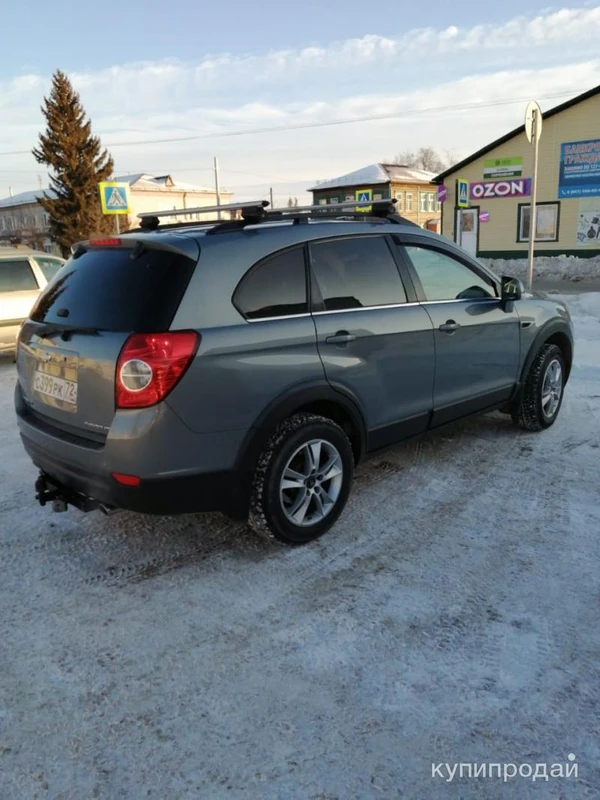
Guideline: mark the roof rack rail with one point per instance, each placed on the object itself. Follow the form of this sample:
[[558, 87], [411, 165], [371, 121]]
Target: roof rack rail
[[252, 211], [255, 212], [369, 208], [350, 209]]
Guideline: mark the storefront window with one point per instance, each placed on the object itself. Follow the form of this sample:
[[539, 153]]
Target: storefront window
[[546, 229]]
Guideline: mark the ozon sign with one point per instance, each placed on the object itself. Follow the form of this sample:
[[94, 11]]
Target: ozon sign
[[521, 187]]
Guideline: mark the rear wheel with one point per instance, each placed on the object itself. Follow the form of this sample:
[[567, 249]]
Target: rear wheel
[[302, 480], [543, 392]]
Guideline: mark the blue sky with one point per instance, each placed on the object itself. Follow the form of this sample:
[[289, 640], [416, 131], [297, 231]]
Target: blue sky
[[152, 70], [42, 33]]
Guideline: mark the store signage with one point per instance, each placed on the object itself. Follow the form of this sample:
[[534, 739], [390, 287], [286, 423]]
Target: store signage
[[484, 216], [519, 187], [497, 168], [579, 169]]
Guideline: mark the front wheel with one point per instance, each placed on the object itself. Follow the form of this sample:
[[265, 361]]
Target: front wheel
[[302, 480], [543, 391]]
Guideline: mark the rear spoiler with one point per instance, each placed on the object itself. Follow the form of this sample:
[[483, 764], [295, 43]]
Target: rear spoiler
[[139, 243]]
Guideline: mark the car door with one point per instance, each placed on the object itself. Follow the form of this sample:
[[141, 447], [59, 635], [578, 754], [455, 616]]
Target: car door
[[18, 292], [375, 341], [477, 337]]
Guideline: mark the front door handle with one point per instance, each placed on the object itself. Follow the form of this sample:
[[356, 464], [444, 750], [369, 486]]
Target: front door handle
[[341, 337], [450, 326]]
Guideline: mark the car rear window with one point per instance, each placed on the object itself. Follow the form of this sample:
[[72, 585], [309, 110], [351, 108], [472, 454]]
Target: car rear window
[[115, 290]]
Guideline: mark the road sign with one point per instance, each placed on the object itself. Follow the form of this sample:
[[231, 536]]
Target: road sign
[[114, 197], [363, 196], [462, 193], [533, 121], [442, 194]]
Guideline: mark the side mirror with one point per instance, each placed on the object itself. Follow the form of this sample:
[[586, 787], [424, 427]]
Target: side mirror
[[512, 289]]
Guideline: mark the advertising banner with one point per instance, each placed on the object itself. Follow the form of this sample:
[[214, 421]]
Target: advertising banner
[[516, 187], [579, 174], [497, 168], [588, 224]]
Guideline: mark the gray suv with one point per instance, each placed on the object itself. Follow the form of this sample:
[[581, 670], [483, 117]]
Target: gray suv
[[248, 365]]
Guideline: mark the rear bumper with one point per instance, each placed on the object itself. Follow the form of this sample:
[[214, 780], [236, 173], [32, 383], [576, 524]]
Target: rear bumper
[[212, 491], [180, 471]]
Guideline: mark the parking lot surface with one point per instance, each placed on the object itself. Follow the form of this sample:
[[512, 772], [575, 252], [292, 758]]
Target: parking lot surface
[[450, 616]]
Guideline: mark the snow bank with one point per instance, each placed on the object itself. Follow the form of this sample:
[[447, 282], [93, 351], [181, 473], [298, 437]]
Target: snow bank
[[555, 268]]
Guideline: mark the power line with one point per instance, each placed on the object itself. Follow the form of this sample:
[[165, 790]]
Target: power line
[[306, 125]]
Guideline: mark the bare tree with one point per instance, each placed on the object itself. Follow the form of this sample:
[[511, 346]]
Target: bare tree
[[426, 158]]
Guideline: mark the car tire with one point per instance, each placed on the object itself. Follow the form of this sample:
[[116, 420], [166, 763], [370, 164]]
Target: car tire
[[315, 456], [542, 394]]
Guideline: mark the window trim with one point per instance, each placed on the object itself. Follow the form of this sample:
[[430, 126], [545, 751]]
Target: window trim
[[317, 305], [538, 204], [408, 195], [404, 241], [257, 264]]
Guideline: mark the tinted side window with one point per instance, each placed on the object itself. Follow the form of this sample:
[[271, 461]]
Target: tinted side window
[[16, 276], [276, 287], [445, 278], [49, 266], [356, 272]]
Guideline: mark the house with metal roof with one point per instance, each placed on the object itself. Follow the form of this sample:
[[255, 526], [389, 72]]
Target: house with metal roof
[[22, 219], [494, 220], [412, 188]]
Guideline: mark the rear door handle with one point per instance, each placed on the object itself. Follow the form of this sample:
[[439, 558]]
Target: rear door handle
[[341, 337], [450, 326]]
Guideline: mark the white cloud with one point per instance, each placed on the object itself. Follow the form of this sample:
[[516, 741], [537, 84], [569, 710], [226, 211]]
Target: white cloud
[[227, 93]]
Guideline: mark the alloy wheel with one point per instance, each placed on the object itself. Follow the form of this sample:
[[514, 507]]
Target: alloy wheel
[[311, 482]]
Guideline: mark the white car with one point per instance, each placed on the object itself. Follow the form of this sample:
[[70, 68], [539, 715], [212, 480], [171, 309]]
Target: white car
[[23, 274]]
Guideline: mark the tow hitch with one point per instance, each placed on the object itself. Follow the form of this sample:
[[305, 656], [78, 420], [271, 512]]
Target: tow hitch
[[45, 492], [61, 497]]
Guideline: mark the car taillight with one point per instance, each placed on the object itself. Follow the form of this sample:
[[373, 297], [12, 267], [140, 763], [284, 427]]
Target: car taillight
[[150, 365]]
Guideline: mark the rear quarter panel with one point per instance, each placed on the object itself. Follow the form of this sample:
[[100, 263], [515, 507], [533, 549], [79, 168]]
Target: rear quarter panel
[[240, 367]]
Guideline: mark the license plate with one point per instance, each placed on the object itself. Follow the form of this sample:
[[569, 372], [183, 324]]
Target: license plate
[[57, 388]]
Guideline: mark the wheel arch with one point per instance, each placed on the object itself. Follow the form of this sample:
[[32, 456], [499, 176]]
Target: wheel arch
[[317, 398], [553, 332]]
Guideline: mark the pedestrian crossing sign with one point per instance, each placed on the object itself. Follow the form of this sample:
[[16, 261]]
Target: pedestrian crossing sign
[[462, 193], [114, 197], [363, 196]]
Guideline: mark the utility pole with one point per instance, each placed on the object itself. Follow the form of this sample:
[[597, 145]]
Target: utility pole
[[217, 190], [271, 196], [533, 131]]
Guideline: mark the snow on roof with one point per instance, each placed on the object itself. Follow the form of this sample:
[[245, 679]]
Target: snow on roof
[[24, 198], [377, 173], [144, 182], [140, 181]]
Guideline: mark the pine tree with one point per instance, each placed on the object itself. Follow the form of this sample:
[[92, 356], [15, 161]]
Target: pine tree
[[77, 163]]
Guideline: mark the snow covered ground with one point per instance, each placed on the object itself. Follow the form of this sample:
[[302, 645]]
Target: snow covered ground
[[548, 269], [450, 616]]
